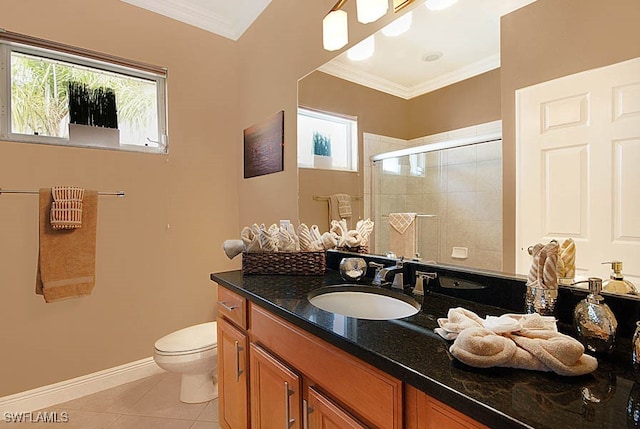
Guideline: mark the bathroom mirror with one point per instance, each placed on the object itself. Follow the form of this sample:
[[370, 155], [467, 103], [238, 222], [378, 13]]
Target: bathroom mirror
[[393, 113]]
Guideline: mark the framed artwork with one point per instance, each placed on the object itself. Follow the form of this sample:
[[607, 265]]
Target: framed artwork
[[264, 147]]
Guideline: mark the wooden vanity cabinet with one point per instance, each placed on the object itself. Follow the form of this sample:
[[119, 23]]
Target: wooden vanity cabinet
[[233, 342], [273, 374], [424, 412]]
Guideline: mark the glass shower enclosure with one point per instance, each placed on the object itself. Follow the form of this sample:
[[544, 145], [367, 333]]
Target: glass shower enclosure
[[455, 191]]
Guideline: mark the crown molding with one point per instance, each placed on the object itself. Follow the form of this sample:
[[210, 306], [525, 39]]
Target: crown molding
[[231, 27], [370, 80]]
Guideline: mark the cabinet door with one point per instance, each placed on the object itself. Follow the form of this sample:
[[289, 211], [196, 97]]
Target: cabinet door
[[324, 414], [275, 392], [233, 386], [424, 412]]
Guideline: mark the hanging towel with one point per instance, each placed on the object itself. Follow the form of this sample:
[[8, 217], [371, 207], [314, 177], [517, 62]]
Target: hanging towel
[[340, 208], [402, 235], [67, 257]]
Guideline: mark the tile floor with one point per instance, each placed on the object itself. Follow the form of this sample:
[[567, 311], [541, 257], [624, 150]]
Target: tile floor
[[151, 402]]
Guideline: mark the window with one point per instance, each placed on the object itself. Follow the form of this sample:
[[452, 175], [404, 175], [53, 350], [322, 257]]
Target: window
[[327, 141], [35, 81]]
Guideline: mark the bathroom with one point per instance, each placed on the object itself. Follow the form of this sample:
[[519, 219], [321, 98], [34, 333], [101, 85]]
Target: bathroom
[[158, 245]]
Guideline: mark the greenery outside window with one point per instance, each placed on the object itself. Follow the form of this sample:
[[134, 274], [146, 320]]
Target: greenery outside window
[[34, 97], [327, 141]]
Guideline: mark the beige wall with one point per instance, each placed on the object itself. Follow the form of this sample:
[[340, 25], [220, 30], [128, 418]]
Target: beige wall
[[549, 39], [155, 247], [469, 102]]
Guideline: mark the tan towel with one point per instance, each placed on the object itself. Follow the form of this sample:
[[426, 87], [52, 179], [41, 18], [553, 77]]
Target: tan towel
[[67, 257], [340, 208], [402, 235]]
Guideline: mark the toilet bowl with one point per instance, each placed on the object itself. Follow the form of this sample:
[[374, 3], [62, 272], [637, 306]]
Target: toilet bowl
[[191, 352]]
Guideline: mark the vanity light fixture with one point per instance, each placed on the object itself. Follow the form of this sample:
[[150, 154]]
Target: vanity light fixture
[[362, 50], [399, 26], [335, 30], [371, 10], [439, 4]]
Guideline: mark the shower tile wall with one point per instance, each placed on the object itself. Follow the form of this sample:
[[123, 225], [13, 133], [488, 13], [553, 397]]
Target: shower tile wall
[[462, 187]]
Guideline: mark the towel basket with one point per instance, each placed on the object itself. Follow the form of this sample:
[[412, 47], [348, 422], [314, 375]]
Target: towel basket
[[289, 263]]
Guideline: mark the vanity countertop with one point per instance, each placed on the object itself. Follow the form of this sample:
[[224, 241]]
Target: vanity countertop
[[409, 350]]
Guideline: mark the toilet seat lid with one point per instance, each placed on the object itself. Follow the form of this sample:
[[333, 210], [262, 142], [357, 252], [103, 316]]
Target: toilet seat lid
[[189, 339]]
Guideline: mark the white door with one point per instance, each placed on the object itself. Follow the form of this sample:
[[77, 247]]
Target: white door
[[578, 168]]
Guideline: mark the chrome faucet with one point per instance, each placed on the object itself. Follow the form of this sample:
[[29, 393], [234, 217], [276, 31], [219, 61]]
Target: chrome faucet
[[383, 276], [420, 278]]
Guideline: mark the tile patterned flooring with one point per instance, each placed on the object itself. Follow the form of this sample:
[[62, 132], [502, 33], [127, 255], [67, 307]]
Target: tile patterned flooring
[[151, 402]]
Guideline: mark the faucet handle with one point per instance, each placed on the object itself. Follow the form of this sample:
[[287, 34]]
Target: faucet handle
[[418, 289], [375, 265]]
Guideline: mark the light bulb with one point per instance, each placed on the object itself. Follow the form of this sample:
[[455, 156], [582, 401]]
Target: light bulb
[[371, 10], [335, 30]]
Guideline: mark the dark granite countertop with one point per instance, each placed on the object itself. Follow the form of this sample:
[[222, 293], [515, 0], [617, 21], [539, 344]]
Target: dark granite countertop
[[410, 351]]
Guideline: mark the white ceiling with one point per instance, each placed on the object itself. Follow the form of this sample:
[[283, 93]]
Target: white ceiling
[[467, 34], [227, 18]]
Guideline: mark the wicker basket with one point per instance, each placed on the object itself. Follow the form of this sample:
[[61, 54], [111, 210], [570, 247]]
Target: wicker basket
[[290, 263], [358, 249]]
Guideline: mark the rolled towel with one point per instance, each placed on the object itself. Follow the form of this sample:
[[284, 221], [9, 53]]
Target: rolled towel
[[482, 348], [305, 238], [550, 267], [567, 254], [269, 238], [294, 236], [352, 239], [250, 239], [535, 264], [329, 240], [286, 243], [233, 248], [364, 227], [315, 233], [339, 230], [535, 321], [562, 354]]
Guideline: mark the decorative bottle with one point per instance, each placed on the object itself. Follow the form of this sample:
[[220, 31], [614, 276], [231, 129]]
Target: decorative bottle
[[616, 282], [594, 321]]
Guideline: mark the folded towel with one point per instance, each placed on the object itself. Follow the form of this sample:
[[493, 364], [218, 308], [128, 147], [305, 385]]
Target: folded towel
[[526, 341], [66, 208], [269, 238], [66, 260], [402, 236], [339, 207]]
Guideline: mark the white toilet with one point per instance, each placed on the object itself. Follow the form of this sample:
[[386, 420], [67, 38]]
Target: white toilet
[[193, 353]]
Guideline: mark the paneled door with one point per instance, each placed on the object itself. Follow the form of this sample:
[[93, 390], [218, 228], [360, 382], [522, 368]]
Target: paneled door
[[578, 167], [276, 399]]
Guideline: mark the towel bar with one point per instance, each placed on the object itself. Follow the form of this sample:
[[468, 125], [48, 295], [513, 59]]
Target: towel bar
[[7, 191], [325, 198]]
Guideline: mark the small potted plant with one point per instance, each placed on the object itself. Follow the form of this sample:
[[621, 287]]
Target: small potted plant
[[322, 151]]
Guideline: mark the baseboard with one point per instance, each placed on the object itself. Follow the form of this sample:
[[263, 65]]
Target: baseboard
[[46, 396]]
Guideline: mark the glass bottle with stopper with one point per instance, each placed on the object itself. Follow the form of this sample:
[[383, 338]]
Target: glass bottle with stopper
[[593, 320], [617, 282]]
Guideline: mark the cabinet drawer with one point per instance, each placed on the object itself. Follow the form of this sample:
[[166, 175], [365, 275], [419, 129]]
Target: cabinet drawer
[[232, 306], [370, 394]]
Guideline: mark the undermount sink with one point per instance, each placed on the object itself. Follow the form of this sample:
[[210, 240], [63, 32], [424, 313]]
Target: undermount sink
[[364, 302]]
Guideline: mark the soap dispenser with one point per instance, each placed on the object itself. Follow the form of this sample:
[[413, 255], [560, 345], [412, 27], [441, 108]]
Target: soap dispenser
[[594, 321], [616, 282]]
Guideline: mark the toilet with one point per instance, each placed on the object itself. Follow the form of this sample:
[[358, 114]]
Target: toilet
[[191, 352]]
